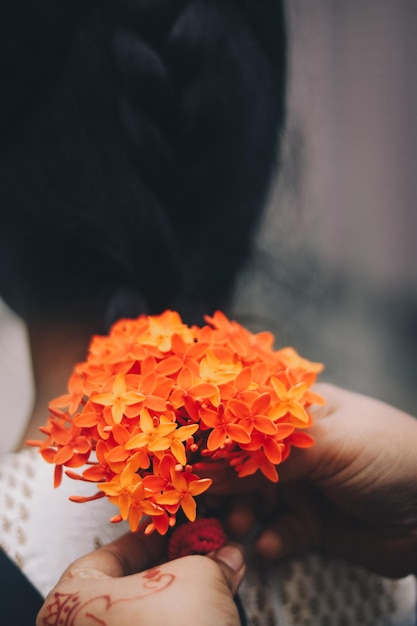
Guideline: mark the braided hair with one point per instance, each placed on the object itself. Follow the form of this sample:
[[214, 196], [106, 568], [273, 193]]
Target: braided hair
[[138, 139]]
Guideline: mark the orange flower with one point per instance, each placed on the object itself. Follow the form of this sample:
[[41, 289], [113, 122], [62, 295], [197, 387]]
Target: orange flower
[[190, 392], [119, 398], [289, 401], [161, 434], [254, 415], [256, 461], [128, 493], [155, 397], [162, 328], [73, 447], [292, 360], [222, 426], [184, 487]]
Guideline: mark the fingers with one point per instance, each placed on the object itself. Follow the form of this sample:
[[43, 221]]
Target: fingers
[[127, 555], [338, 535], [135, 552], [245, 513], [230, 558], [296, 528], [286, 537], [241, 517]]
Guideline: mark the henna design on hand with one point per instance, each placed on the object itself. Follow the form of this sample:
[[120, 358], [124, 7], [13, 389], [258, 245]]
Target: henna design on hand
[[68, 609]]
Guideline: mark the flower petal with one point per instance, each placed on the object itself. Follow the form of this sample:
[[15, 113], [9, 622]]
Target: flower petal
[[216, 439], [189, 507]]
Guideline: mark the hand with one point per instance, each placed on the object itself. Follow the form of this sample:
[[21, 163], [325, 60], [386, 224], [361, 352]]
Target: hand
[[353, 494], [105, 588]]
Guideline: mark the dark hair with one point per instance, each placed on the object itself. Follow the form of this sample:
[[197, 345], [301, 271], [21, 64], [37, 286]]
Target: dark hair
[[138, 140]]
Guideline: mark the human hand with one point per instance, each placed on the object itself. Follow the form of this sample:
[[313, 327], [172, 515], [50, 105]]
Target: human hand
[[114, 586], [353, 494]]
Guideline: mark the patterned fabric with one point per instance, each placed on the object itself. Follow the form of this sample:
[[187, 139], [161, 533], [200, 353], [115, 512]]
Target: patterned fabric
[[314, 591], [43, 532], [40, 529]]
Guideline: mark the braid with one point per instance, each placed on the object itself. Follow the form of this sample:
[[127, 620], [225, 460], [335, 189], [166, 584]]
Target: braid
[[148, 163], [204, 104]]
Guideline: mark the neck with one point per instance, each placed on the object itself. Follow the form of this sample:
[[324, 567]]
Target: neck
[[55, 349]]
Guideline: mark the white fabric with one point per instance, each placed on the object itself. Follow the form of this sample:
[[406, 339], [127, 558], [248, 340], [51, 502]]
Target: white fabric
[[40, 529]]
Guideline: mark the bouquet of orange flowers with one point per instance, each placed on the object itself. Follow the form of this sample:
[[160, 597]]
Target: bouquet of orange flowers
[[156, 402]]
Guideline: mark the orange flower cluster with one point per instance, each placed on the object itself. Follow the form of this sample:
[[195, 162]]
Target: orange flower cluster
[[156, 397]]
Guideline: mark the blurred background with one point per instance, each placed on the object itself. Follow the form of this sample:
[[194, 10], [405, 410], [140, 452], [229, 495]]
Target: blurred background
[[335, 270]]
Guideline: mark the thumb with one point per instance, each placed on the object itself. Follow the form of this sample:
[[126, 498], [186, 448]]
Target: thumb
[[129, 554], [231, 560]]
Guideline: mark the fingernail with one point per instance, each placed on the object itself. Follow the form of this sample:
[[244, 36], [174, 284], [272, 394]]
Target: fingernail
[[232, 555]]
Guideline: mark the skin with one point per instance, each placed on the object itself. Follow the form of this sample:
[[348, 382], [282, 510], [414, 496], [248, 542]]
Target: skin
[[55, 347], [121, 584]]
